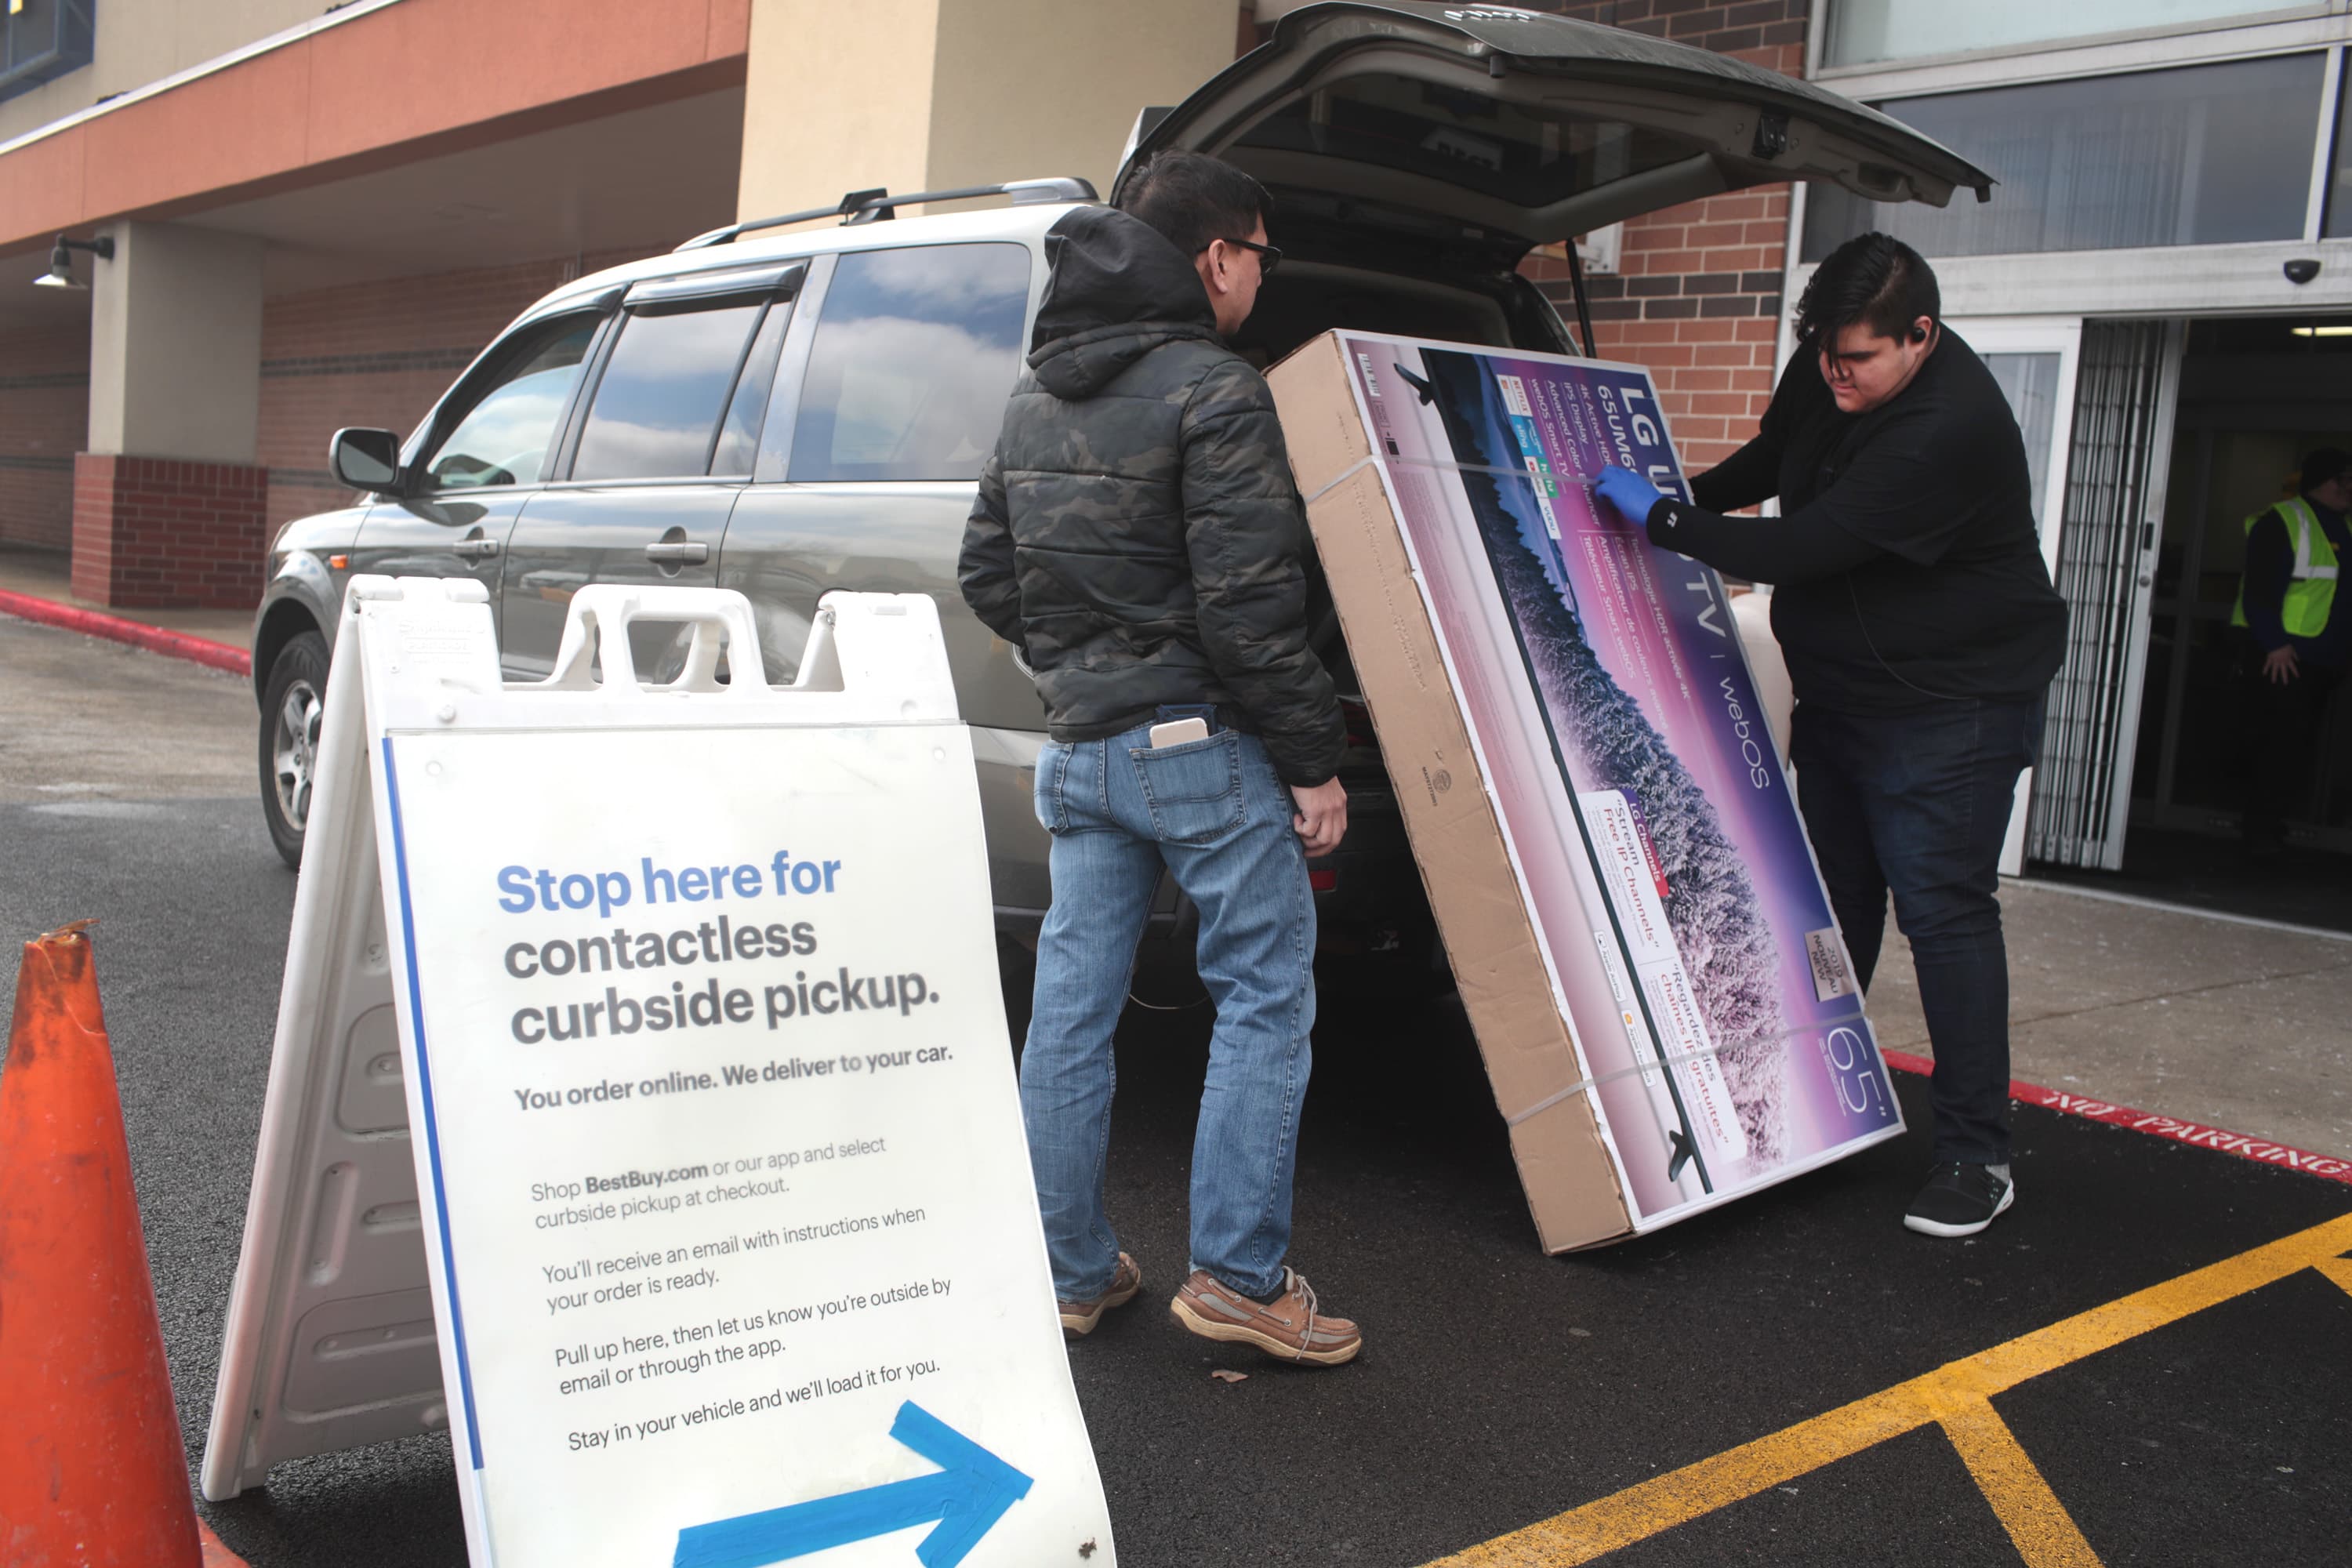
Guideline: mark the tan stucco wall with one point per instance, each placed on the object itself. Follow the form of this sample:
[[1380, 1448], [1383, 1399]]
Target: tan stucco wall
[[937, 93], [143, 41], [175, 343], [829, 108]]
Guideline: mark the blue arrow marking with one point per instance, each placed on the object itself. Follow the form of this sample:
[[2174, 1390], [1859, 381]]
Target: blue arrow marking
[[971, 1492]]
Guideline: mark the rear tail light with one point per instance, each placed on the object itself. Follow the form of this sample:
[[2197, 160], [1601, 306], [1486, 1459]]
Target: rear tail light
[[1323, 881]]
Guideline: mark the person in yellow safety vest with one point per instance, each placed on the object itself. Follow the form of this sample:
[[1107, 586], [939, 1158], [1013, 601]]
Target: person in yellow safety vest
[[2299, 643]]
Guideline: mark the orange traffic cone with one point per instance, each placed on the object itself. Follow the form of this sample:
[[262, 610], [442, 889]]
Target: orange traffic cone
[[91, 1471]]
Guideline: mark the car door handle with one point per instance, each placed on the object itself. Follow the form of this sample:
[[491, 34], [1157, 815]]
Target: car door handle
[[672, 552], [475, 549]]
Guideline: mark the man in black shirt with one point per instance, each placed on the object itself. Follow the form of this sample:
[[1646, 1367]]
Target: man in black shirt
[[2298, 641], [1921, 632]]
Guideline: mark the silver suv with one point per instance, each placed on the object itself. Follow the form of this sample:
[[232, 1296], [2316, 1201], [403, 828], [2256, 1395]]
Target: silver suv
[[790, 412]]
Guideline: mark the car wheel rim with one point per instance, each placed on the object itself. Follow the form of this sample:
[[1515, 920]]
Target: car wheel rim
[[294, 752]]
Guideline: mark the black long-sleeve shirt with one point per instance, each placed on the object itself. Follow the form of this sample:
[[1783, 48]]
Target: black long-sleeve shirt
[[2269, 566], [1905, 564]]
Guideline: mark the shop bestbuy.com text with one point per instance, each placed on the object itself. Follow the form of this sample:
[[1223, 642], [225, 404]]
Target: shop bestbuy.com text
[[726, 939]]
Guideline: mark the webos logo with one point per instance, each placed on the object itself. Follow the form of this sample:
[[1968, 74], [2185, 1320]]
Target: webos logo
[[1749, 734]]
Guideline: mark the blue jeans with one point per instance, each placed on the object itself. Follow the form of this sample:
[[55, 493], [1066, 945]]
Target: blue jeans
[[1917, 805], [1215, 814]]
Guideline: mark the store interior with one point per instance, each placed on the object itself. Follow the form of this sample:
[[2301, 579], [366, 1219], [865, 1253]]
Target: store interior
[[2255, 395]]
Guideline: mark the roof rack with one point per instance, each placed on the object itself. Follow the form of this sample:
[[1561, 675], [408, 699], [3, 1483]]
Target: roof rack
[[876, 206]]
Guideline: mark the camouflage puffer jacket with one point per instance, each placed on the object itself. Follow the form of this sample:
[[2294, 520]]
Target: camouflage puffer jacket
[[1137, 535]]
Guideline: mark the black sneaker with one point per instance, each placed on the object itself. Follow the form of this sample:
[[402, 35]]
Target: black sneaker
[[1960, 1200]]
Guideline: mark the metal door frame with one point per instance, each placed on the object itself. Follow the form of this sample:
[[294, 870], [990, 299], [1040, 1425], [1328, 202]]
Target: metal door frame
[[2153, 501]]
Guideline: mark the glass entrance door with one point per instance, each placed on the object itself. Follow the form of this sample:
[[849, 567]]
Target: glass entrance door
[[2127, 388], [2035, 361]]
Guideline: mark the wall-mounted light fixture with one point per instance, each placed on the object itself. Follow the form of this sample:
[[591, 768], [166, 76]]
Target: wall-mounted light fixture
[[2339, 330], [60, 272]]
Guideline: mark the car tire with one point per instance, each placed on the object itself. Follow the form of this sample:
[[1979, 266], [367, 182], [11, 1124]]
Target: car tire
[[291, 704]]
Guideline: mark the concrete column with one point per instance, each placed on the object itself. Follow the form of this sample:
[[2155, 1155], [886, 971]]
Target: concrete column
[[928, 94], [169, 506]]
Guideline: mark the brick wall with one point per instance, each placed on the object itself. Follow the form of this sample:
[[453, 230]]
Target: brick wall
[[44, 421], [151, 532], [1696, 298], [377, 354]]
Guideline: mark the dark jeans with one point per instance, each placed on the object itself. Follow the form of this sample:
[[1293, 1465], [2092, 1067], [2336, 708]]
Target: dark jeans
[[2283, 726], [1917, 805]]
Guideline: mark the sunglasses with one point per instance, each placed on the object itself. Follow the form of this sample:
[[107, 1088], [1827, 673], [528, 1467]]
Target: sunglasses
[[1268, 257]]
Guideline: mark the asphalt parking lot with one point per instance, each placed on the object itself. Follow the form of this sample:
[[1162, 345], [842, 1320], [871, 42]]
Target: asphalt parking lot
[[1794, 1380]]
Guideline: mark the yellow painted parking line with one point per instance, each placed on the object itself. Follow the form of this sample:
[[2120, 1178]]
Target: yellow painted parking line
[[2044, 1533], [1944, 1396]]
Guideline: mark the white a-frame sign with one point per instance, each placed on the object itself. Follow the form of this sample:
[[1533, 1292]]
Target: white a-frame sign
[[642, 1107]]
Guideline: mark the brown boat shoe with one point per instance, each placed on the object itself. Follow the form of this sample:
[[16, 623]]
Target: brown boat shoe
[[1289, 1329], [1079, 1317]]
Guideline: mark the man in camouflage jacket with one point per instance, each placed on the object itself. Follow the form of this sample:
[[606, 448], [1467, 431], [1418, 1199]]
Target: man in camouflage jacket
[[1138, 539]]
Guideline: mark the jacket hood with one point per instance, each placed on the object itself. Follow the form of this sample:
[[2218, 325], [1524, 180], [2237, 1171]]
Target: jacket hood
[[1118, 291]]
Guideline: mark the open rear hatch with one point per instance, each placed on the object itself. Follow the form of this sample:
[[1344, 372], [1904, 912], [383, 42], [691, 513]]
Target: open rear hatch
[[1415, 153], [1498, 129]]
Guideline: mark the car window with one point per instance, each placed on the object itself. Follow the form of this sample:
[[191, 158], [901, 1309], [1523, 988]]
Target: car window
[[503, 439], [913, 352], [658, 402], [739, 437]]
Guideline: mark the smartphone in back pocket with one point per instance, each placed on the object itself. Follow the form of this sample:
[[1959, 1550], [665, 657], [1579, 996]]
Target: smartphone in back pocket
[[1177, 731]]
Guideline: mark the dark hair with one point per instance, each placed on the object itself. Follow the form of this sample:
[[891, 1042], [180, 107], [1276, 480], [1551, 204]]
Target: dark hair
[[2326, 464], [1192, 198], [1874, 280]]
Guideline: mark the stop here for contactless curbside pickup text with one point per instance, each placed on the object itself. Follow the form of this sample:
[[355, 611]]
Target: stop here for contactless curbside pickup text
[[728, 939]]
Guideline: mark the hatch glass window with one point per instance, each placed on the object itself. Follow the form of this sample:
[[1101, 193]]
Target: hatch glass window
[[503, 439], [915, 351], [657, 404], [1463, 138]]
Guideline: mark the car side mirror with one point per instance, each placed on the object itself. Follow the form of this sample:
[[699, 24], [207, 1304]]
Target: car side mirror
[[365, 459]]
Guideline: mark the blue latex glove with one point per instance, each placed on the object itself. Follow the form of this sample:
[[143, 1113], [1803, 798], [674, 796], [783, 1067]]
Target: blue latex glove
[[1628, 493]]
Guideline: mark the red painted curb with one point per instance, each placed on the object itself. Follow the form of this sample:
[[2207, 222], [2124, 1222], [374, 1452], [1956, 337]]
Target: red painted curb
[[2262, 1151], [216, 1553], [138, 634]]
